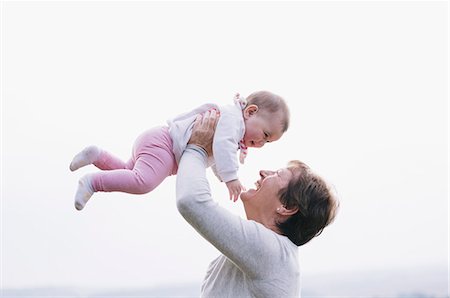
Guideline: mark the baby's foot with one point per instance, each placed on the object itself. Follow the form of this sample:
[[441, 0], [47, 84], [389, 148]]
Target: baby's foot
[[84, 192], [86, 157]]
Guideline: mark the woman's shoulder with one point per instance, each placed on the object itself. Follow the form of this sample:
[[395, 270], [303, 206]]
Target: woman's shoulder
[[271, 239], [276, 254]]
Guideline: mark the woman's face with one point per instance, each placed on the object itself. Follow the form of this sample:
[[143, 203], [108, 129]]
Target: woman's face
[[263, 201]]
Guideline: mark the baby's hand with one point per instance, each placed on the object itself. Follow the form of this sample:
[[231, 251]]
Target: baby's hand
[[234, 188]]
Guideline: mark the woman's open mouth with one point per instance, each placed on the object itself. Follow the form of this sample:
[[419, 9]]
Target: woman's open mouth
[[258, 185]]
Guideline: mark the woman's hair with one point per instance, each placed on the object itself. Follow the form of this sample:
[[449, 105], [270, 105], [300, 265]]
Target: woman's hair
[[271, 103], [316, 204]]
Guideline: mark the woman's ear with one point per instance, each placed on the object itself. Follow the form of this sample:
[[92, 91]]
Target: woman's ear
[[287, 212], [250, 110]]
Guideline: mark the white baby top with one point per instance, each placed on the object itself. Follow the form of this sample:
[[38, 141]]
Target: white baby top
[[229, 132]]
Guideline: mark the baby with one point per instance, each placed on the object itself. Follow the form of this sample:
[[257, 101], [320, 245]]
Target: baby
[[260, 118]]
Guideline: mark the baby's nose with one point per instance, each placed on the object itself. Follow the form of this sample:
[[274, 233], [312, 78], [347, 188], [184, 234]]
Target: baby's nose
[[261, 143]]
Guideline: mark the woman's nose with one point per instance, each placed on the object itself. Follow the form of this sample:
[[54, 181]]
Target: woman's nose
[[265, 173]]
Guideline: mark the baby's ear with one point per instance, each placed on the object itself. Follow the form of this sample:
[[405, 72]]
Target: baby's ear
[[250, 110]]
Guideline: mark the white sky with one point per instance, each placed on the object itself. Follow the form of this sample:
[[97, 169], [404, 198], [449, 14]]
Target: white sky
[[367, 85]]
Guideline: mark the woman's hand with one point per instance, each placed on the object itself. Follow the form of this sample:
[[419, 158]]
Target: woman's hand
[[203, 130]]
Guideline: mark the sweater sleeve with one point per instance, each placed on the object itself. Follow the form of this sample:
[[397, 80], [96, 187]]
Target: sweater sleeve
[[249, 245]]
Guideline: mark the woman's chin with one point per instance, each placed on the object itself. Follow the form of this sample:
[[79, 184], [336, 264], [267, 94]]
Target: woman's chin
[[247, 195]]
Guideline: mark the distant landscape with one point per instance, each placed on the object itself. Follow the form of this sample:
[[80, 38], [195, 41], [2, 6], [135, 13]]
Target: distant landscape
[[426, 283]]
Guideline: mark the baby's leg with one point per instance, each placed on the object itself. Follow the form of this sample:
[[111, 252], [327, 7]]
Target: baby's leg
[[152, 161], [107, 161], [99, 158]]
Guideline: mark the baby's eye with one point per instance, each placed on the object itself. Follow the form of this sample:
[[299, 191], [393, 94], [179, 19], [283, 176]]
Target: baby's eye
[[266, 135]]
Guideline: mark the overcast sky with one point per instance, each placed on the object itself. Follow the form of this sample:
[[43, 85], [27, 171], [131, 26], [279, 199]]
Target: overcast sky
[[367, 86]]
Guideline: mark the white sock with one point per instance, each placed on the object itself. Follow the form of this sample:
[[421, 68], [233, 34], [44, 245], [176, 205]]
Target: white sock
[[86, 157], [84, 192]]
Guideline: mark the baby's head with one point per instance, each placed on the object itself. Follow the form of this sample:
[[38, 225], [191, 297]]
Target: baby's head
[[266, 118]]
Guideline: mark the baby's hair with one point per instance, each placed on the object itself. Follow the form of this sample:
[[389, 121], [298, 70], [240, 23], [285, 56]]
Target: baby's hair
[[272, 103]]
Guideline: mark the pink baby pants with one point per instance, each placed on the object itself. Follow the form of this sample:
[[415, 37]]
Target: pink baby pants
[[151, 162]]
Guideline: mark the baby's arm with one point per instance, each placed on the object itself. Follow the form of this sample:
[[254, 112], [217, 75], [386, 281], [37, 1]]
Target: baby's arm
[[225, 144], [235, 188]]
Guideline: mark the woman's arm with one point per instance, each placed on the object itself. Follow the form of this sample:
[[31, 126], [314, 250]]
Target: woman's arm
[[238, 239], [246, 243]]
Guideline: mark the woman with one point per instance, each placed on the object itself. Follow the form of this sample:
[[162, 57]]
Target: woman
[[259, 256]]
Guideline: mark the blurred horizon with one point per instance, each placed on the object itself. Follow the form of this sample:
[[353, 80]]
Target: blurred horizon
[[425, 283]]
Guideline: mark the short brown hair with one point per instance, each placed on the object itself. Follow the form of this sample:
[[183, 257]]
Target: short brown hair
[[272, 103], [317, 206]]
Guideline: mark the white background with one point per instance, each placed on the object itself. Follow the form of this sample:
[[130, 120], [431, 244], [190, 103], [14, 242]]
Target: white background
[[367, 86]]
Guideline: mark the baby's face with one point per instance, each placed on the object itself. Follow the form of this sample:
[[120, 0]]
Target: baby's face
[[261, 128]]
